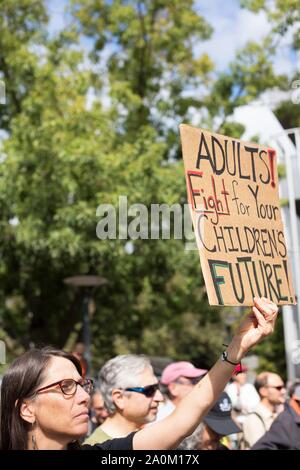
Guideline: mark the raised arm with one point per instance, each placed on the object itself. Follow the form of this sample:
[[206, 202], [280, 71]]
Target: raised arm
[[168, 433]]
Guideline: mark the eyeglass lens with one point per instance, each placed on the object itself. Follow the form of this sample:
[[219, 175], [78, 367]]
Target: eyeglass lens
[[69, 386]]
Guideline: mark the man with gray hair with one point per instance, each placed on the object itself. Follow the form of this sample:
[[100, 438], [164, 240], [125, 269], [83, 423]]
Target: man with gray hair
[[131, 395]]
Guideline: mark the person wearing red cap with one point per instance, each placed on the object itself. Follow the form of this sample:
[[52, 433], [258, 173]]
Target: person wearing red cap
[[177, 380], [243, 395]]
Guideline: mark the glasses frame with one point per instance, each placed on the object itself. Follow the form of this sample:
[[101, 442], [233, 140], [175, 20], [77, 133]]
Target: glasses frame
[[278, 387], [83, 383], [149, 390], [192, 380]]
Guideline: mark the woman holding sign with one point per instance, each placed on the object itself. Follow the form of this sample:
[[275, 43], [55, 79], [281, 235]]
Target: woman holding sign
[[44, 399]]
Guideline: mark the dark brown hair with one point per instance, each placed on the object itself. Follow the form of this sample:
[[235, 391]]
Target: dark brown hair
[[20, 381]]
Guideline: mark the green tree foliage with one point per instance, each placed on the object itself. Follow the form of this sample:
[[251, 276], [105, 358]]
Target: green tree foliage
[[272, 353], [288, 114], [21, 23], [250, 74], [283, 14], [48, 177], [252, 71], [60, 162], [151, 63]]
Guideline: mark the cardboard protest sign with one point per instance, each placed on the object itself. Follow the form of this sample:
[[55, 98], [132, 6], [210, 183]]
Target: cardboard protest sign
[[233, 194]]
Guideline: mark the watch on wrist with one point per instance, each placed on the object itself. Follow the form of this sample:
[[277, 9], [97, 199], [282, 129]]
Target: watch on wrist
[[224, 358]]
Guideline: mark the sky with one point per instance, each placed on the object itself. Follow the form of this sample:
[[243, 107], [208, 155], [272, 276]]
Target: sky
[[233, 27]]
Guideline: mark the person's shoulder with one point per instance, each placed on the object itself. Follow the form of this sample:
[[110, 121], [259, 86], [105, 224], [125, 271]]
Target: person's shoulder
[[122, 443], [262, 411], [97, 437], [287, 415], [256, 416], [222, 447]]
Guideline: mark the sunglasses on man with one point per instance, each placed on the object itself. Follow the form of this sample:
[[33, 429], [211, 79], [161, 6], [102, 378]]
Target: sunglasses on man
[[190, 380], [148, 391], [278, 387]]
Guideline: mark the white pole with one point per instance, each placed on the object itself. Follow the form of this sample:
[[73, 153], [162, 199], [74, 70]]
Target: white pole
[[294, 228], [290, 339], [292, 313], [297, 260]]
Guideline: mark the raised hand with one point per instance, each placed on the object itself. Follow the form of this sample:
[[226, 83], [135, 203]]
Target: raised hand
[[258, 324]]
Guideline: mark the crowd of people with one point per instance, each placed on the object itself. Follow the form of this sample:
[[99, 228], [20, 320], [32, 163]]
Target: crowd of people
[[47, 402]]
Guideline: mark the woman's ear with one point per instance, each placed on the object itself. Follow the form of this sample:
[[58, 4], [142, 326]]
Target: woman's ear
[[27, 412]]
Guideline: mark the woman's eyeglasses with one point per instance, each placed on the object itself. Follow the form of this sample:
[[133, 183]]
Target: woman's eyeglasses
[[148, 391], [69, 386]]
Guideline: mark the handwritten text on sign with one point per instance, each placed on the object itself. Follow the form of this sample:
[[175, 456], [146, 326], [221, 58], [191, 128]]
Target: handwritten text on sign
[[233, 191]]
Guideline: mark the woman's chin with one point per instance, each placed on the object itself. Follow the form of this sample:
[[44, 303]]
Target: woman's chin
[[80, 430]]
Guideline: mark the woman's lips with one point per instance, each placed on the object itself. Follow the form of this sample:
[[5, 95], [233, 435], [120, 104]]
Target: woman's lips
[[83, 414]]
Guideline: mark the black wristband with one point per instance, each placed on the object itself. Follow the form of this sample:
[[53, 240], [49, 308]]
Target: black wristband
[[224, 357]]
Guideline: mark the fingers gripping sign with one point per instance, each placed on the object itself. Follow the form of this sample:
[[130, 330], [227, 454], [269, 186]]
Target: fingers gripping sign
[[265, 312]]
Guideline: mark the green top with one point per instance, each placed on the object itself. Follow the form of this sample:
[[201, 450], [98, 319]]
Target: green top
[[97, 437]]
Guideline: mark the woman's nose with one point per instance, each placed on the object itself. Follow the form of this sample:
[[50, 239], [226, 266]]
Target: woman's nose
[[82, 395]]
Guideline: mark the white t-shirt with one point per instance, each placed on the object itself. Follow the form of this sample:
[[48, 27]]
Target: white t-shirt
[[244, 398]]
